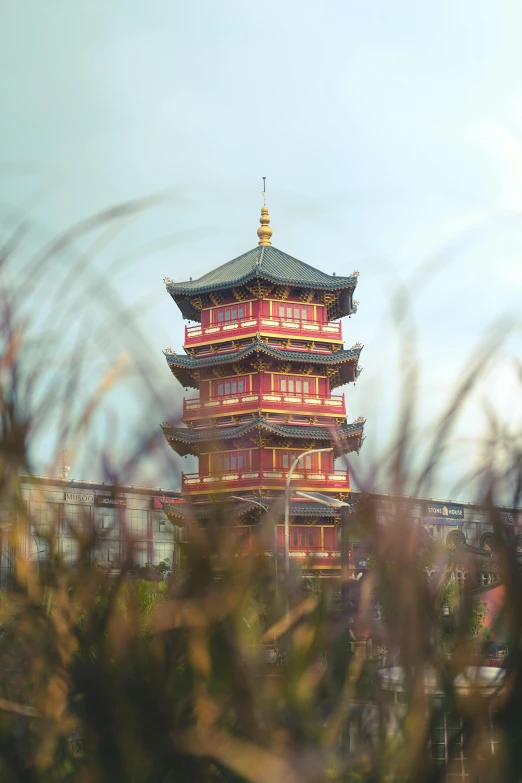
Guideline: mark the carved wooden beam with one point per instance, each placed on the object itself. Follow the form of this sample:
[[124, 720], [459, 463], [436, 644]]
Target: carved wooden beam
[[217, 298], [306, 296], [282, 292]]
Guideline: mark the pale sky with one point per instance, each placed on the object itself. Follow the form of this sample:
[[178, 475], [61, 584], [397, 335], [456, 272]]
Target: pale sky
[[390, 134]]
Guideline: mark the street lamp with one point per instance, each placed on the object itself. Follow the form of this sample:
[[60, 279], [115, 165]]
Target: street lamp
[[37, 553], [324, 500], [287, 503]]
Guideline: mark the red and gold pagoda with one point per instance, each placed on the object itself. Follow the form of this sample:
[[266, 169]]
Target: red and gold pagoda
[[265, 355]]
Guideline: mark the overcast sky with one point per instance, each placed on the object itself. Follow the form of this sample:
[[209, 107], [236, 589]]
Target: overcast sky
[[390, 134]]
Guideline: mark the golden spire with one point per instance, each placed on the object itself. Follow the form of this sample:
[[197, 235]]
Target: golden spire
[[264, 232]]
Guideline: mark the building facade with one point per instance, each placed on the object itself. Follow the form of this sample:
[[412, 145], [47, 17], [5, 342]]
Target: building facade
[[466, 526], [120, 516], [153, 518], [266, 356]]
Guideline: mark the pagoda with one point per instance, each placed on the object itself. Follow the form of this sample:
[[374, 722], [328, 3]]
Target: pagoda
[[265, 354]]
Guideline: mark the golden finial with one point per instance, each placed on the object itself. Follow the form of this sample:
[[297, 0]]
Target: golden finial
[[264, 232]]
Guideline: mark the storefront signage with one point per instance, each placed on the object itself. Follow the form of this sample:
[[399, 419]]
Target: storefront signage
[[110, 502], [444, 513], [79, 497]]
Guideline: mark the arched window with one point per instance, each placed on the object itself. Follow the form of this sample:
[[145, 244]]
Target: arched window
[[487, 542], [460, 576], [455, 538], [489, 576]]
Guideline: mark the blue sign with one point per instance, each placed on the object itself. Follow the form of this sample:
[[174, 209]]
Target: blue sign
[[444, 513]]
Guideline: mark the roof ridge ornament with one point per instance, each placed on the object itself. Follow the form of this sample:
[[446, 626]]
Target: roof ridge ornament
[[264, 232]]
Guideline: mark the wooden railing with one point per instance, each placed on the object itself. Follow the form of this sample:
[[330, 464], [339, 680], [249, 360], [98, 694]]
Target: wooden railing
[[318, 552], [314, 551], [267, 400], [212, 482], [264, 325]]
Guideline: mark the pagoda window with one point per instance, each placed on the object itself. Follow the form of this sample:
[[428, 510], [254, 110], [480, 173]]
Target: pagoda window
[[292, 385], [295, 312], [223, 463], [299, 536], [230, 314], [285, 460], [303, 538], [229, 387]]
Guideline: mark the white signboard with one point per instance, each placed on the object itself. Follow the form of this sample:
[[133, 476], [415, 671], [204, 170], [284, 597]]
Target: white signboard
[[79, 497]]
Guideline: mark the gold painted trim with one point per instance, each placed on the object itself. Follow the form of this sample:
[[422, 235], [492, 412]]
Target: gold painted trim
[[265, 409], [295, 374], [264, 332], [244, 487]]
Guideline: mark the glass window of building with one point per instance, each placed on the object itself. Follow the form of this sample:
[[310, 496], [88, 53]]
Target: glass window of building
[[45, 517], [76, 518], [137, 519], [163, 551], [106, 520], [108, 552], [70, 549]]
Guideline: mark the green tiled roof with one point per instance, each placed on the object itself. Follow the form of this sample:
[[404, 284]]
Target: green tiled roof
[[300, 509], [188, 437], [186, 363], [308, 357], [268, 263], [207, 511]]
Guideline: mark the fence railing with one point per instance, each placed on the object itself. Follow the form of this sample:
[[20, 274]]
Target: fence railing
[[278, 400], [263, 325], [211, 482]]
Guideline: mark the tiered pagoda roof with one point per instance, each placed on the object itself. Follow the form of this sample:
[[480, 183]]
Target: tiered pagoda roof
[[264, 264], [265, 355], [207, 511], [266, 358], [183, 440], [185, 368]]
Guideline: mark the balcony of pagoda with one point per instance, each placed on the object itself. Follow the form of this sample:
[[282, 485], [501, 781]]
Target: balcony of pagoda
[[265, 325], [315, 556], [316, 545], [273, 402], [210, 483]]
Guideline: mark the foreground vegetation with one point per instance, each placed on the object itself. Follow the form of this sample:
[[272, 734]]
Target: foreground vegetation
[[223, 671]]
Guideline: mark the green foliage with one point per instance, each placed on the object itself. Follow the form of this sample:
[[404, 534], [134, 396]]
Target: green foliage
[[479, 613]]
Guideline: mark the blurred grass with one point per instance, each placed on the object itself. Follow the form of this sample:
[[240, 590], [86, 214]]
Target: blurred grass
[[115, 677]]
